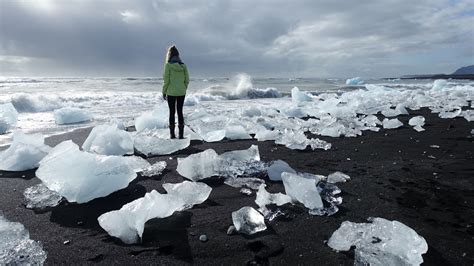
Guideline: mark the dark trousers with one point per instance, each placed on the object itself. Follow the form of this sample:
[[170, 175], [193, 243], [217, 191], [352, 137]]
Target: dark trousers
[[175, 103]]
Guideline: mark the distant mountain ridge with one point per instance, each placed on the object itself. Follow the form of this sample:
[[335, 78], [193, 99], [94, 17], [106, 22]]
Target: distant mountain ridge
[[467, 70]]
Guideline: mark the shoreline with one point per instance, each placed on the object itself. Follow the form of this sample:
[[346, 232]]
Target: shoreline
[[392, 176]]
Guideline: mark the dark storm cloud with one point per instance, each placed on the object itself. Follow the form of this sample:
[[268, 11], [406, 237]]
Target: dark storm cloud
[[219, 38]]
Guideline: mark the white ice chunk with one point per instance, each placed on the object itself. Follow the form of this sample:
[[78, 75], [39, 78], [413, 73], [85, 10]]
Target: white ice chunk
[[300, 96], [265, 134], [82, 176], [275, 170], [16, 247], [40, 197], [236, 132], [71, 115], [25, 152], [199, 166], [450, 113], [8, 117], [137, 163], [468, 115], [302, 190], [238, 182], [391, 123], [265, 198], [248, 221], [251, 111], [128, 223], [295, 140], [158, 118], [155, 169], [150, 146], [417, 122], [354, 81], [381, 242], [337, 177], [439, 84], [108, 140]]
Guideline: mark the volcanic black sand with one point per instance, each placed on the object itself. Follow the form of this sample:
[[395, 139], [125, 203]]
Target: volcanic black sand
[[395, 175]]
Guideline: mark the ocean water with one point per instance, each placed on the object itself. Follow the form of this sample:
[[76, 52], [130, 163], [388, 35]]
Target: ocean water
[[126, 98]]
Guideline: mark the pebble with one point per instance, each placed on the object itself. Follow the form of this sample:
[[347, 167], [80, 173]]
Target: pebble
[[203, 238], [66, 242]]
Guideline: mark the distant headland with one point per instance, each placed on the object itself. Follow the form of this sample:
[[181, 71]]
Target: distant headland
[[466, 72]]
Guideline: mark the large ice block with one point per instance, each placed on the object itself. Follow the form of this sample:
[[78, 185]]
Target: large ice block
[[25, 152], [248, 221], [81, 176], [158, 118], [71, 115], [381, 242], [108, 140], [302, 190], [16, 247], [300, 96], [8, 117], [128, 223]]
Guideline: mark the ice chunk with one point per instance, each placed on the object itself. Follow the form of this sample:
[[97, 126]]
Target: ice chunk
[[158, 118], [150, 146], [275, 170], [137, 163], [319, 144], [8, 117], [248, 221], [71, 115], [155, 169], [354, 81], [337, 177], [265, 198], [128, 223], [417, 122], [265, 134], [299, 96], [302, 190], [82, 176], [40, 197], [296, 140], [25, 152], [238, 182], [210, 128], [108, 140], [230, 164], [16, 247], [236, 132], [439, 84], [447, 113], [468, 115], [391, 123], [251, 111], [381, 242]]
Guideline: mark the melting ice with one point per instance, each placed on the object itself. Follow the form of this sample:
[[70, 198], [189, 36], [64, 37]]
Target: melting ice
[[24, 153]]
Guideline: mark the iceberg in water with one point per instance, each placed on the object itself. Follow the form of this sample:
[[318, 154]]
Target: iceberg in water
[[81, 176], [158, 118], [417, 123], [8, 117], [16, 247], [354, 81], [248, 221], [25, 152], [230, 164], [150, 145], [128, 223], [381, 242], [40, 197], [71, 115], [108, 140]]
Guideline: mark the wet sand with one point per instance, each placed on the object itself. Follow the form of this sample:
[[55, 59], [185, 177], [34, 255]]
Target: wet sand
[[395, 175]]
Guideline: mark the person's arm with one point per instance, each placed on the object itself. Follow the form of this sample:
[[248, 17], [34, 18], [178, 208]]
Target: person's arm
[[166, 80], [186, 76]]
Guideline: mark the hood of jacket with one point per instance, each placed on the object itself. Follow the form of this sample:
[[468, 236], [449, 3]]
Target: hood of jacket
[[176, 67]]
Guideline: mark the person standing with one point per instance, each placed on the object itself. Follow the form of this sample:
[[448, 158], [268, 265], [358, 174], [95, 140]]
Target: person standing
[[175, 84]]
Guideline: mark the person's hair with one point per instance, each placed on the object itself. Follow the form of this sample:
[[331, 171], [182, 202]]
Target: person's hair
[[172, 51]]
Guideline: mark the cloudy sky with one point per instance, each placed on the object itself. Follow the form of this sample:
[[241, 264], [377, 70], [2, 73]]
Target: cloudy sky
[[314, 38]]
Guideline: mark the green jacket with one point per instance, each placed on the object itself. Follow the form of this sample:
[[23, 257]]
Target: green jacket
[[176, 79]]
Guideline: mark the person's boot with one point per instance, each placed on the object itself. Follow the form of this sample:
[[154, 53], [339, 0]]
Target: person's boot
[[172, 135], [181, 131]]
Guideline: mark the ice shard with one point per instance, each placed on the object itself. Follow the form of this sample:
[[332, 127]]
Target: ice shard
[[8, 117], [337, 177], [380, 242], [248, 221], [151, 146], [391, 123], [25, 152], [275, 170], [40, 196], [417, 122], [302, 190], [16, 247], [81, 176], [265, 198], [128, 223], [108, 140], [155, 169]]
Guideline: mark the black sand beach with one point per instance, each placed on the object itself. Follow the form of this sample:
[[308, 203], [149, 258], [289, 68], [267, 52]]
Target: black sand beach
[[395, 175]]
